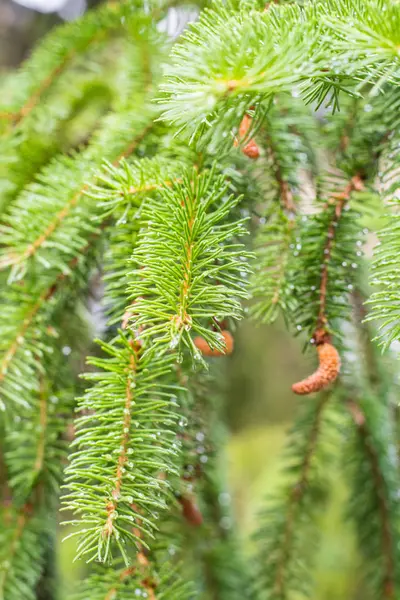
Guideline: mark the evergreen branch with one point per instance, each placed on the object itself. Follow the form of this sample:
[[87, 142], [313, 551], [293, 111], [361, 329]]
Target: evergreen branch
[[57, 231], [19, 547], [130, 379], [374, 478], [295, 499], [282, 536], [123, 451], [340, 201], [384, 303], [230, 72], [123, 584], [196, 280], [270, 283], [285, 134], [357, 29], [327, 253], [214, 75], [35, 450], [117, 184], [120, 192], [23, 317], [26, 313], [56, 53]]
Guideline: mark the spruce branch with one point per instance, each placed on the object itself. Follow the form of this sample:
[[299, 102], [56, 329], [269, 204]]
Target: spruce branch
[[55, 233], [36, 450], [270, 53], [231, 73], [117, 186], [355, 184], [126, 582], [21, 550], [383, 303], [270, 282], [285, 134], [374, 478], [282, 561], [327, 255], [55, 54], [120, 193], [126, 436], [26, 316], [197, 278]]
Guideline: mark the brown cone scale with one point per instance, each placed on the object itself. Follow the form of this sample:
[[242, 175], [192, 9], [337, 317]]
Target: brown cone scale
[[327, 372]]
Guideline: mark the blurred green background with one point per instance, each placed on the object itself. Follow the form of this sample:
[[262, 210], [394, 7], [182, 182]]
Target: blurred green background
[[258, 403]]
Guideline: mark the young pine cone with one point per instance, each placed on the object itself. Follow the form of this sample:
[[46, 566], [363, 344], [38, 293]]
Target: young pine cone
[[205, 349], [250, 149], [328, 370]]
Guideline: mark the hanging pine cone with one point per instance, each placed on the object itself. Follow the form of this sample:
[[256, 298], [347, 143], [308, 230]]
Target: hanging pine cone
[[327, 372]]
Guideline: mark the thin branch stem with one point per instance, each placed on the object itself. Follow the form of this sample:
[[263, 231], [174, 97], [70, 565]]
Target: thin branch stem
[[285, 193], [340, 200], [43, 419], [123, 455]]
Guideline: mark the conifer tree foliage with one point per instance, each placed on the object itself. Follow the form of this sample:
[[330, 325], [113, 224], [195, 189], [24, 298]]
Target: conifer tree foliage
[[236, 169]]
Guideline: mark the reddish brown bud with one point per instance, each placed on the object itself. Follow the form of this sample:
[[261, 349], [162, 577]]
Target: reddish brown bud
[[205, 349], [250, 149]]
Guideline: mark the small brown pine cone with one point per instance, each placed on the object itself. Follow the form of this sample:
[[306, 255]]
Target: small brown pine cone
[[327, 372], [250, 149], [205, 349]]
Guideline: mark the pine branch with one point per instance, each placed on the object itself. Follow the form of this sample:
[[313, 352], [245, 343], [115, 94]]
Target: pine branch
[[327, 254], [187, 263], [125, 583], [270, 285], [123, 443], [120, 192], [49, 225], [54, 55], [283, 563], [374, 503], [21, 555]]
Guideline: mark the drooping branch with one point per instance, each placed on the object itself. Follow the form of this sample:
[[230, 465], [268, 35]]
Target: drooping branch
[[380, 492], [296, 495], [123, 451], [329, 359], [14, 258], [340, 200]]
